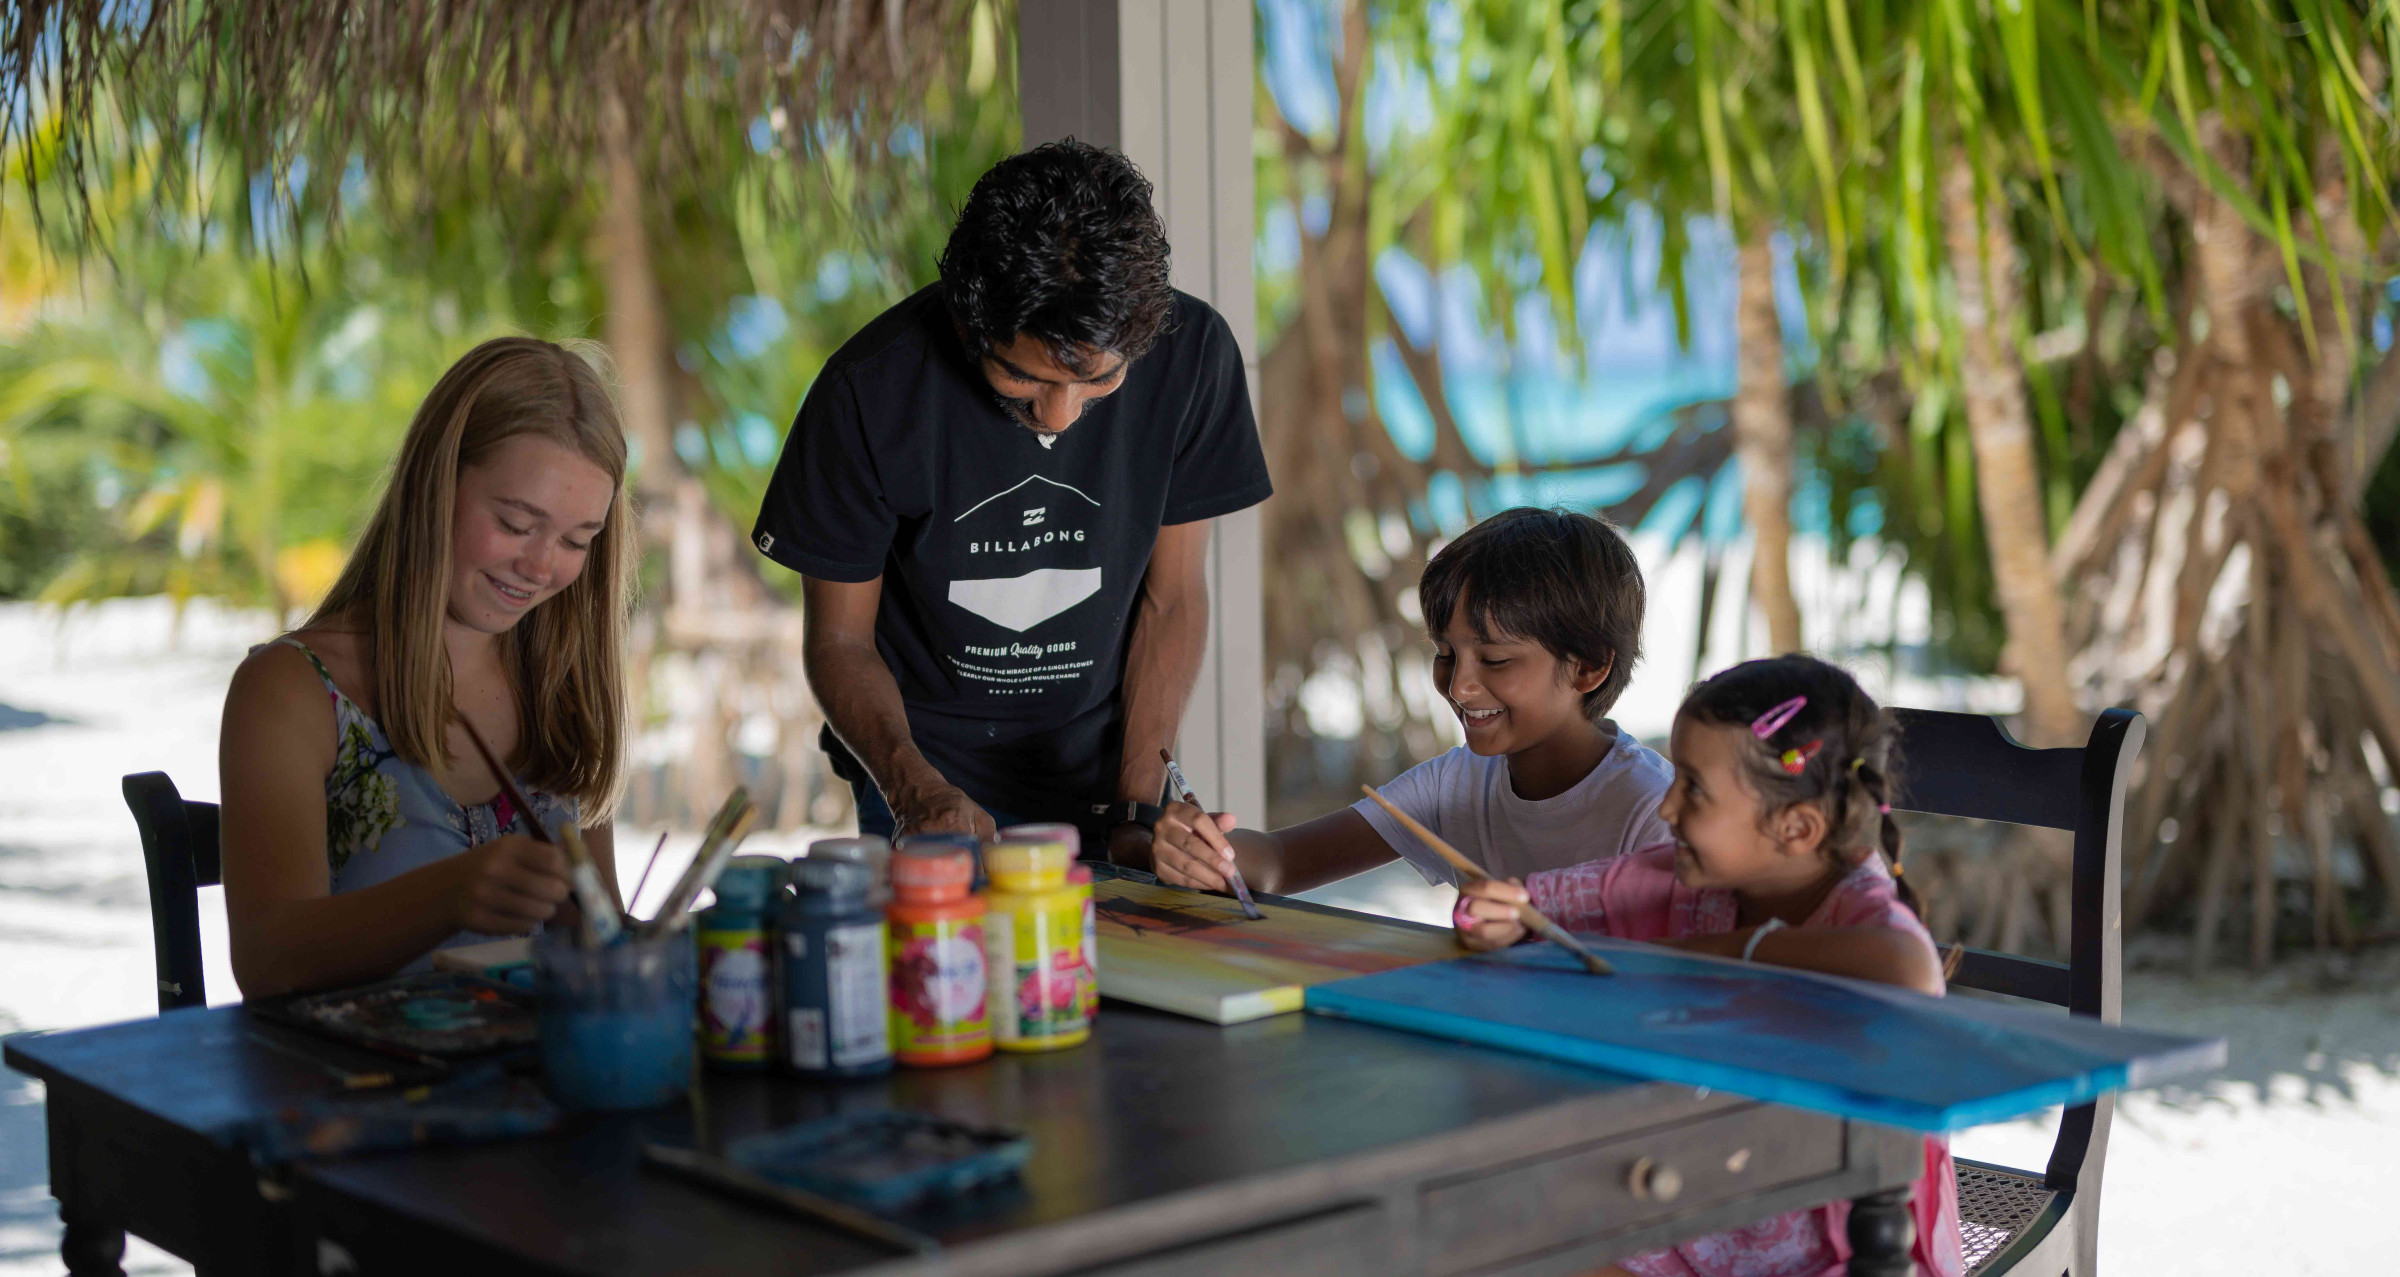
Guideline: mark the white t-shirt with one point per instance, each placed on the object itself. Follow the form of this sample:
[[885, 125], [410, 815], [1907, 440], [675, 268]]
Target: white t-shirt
[[1465, 798]]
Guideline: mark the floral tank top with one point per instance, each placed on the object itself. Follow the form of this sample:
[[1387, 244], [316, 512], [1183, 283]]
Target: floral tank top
[[385, 816]]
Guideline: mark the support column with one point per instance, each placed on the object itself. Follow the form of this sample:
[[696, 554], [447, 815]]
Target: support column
[[1170, 83]]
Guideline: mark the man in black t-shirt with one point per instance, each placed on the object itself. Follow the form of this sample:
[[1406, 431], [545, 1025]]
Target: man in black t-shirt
[[998, 493]]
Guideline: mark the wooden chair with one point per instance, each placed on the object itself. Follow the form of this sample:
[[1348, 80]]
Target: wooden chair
[[179, 848], [2021, 1222]]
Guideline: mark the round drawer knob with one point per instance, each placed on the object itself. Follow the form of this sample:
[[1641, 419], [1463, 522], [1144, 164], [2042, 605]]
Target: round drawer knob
[[1651, 1181]]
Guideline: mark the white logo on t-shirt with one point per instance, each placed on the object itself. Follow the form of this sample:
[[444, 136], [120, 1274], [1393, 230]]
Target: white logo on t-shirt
[[1034, 515], [1021, 602], [1021, 483]]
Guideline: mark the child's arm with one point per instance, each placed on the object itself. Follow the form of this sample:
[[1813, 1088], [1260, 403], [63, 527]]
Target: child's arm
[[1288, 861], [1880, 954]]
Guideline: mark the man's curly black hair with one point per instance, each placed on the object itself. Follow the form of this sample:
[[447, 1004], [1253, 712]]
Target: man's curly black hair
[[1060, 243]]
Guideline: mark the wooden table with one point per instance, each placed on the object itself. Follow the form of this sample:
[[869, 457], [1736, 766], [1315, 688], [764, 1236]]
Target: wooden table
[[1164, 1147]]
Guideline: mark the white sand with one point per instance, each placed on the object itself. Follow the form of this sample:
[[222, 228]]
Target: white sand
[[2283, 1165]]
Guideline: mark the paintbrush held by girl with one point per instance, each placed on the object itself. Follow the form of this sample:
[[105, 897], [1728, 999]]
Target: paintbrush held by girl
[[361, 829], [1783, 850], [1536, 622]]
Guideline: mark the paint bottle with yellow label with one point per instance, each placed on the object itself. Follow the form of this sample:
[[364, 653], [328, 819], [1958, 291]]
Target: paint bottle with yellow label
[[939, 1006], [1033, 946], [737, 987]]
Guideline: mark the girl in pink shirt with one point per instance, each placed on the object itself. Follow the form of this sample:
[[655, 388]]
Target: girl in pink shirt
[[1784, 851]]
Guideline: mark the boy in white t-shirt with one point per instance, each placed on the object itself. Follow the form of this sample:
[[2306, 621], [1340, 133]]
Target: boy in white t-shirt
[[1536, 622]]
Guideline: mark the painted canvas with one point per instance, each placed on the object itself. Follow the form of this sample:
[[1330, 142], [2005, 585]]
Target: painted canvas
[[1195, 954], [1845, 1047]]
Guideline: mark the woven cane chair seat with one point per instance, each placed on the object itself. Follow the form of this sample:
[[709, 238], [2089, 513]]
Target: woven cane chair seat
[[1995, 1205]]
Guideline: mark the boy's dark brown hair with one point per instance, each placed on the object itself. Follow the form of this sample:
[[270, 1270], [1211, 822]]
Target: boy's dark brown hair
[[1558, 578]]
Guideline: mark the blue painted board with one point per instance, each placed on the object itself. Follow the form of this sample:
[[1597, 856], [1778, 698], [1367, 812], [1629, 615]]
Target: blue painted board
[[1847, 1047]]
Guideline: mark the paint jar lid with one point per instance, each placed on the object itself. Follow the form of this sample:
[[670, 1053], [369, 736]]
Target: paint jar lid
[[1028, 864], [965, 842], [747, 881], [926, 871], [1067, 834], [828, 876], [863, 849]]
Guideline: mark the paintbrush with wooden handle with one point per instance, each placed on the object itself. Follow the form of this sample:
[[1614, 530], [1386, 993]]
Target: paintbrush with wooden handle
[[1233, 872], [600, 922], [725, 832], [1535, 920]]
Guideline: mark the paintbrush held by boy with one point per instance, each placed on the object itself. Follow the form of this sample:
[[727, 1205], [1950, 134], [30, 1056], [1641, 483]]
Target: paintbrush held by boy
[[1783, 850], [1536, 621], [361, 827]]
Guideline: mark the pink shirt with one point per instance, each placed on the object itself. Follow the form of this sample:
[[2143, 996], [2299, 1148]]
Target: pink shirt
[[1636, 897]]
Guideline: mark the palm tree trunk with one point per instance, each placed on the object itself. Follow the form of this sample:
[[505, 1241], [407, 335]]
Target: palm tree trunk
[[2007, 474], [640, 338], [1762, 432]]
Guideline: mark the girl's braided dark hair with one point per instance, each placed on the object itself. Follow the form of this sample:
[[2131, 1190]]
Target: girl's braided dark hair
[[1844, 744]]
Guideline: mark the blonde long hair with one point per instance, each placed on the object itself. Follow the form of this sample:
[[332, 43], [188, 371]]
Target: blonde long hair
[[567, 656]]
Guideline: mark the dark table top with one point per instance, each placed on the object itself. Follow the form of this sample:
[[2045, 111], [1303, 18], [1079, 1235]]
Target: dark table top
[[1166, 1125]]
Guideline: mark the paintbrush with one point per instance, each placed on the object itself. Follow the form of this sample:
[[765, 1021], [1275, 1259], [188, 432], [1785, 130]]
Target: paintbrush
[[351, 1079], [1534, 919], [726, 830], [1233, 871], [600, 923], [651, 864]]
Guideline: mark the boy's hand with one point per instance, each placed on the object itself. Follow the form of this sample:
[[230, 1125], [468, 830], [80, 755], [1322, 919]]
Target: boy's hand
[[1486, 913], [1188, 847]]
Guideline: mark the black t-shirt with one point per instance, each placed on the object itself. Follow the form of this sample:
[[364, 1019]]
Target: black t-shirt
[[1011, 570]]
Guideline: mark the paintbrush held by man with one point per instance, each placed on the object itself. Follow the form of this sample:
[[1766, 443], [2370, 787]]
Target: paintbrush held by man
[[1536, 621], [362, 827], [1782, 850]]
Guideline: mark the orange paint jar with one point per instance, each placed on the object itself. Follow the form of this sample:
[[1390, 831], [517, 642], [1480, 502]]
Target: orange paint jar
[[940, 1012]]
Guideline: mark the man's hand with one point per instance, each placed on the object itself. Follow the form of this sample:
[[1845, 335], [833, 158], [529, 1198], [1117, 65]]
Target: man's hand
[[1189, 849], [940, 809], [862, 704]]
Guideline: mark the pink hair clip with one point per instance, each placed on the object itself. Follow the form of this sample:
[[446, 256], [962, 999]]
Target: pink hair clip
[[1773, 720], [1795, 761]]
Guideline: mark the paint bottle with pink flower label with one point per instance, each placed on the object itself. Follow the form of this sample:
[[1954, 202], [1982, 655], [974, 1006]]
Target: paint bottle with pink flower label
[[940, 1010], [1033, 946]]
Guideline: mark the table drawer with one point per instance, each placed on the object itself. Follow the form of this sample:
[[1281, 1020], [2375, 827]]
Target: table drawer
[[1589, 1191], [1354, 1241]]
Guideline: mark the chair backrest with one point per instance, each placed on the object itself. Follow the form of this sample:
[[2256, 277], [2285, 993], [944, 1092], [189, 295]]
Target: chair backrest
[[1968, 765], [180, 852]]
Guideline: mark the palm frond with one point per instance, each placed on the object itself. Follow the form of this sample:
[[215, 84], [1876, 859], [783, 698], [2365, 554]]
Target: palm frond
[[297, 88]]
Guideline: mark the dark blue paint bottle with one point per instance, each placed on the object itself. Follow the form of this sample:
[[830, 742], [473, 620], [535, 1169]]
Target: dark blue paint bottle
[[832, 973]]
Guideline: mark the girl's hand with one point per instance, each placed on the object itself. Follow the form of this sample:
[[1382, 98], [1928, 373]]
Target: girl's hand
[[507, 886], [1188, 847], [1486, 914]]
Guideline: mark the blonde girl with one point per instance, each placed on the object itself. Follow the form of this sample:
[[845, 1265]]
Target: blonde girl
[[360, 829]]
